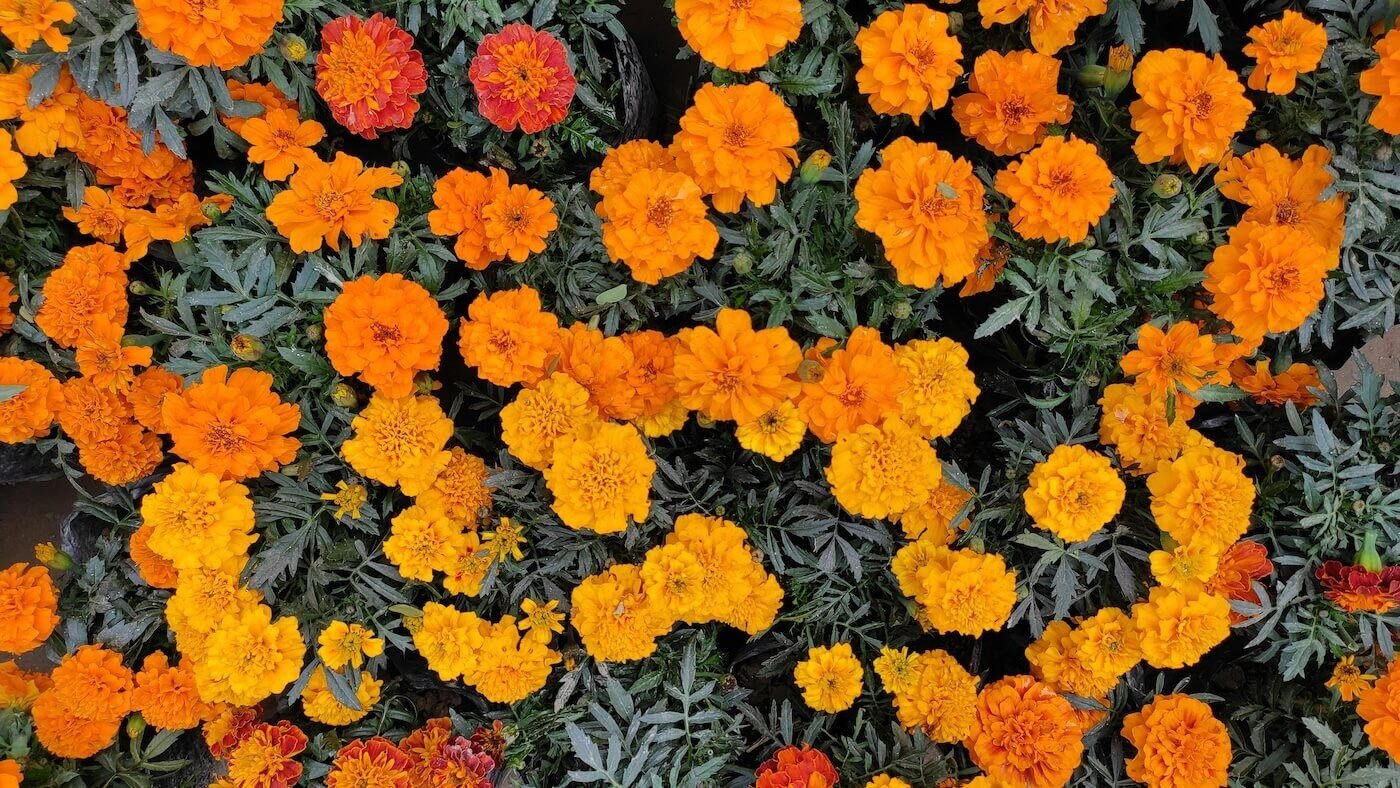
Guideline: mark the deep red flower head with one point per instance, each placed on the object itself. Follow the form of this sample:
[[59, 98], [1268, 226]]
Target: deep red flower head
[[368, 73], [796, 767], [1356, 590], [491, 741], [522, 78], [229, 729]]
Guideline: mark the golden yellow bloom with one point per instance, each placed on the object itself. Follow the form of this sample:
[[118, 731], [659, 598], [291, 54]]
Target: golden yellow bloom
[[860, 383], [729, 569], [223, 33], [737, 141], [1058, 191], [1073, 493], [739, 36], [1282, 49], [400, 441], [758, 610], [250, 657], [1108, 644], [886, 781], [341, 644], [320, 705], [733, 371], [941, 388], [1179, 627], [1204, 497], [510, 668], [675, 580], [600, 477], [470, 562], [420, 542], [541, 620], [964, 590], [908, 61], [1189, 565], [1135, 422], [615, 619], [898, 670], [349, 499], [940, 699], [881, 471], [1179, 743], [538, 418], [1190, 107], [326, 200], [196, 520], [505, 541], [933, 520], [830, 677], [508, 338], [20, 688], [460, 490], [1348, 680], [775, 434], [1012, 100], [449, 639]]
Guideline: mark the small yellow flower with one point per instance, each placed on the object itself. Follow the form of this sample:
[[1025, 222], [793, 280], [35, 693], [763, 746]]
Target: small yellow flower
[[342, 644], [348, 499], [830, 677], [1348, 680], [52, 557], [776, 433], [505, 541], [541, 621]]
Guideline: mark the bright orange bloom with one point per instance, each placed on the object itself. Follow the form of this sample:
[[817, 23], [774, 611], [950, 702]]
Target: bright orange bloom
[[1283, 48], [269, 96], [739, 36], [100, 216], [1241, 565], [91, 693], [223, 33], [908, 61], [103, 359], [1349, 680], [132, 454], [623, 163], [147, 395], [508, 337], [281, 141], [30, 413], [155, 570], [1287, 192], [796, 767], [369, 73], [1012, 100], [522, 79], [51, 125], [653, 373], [601, 365], [8, 297], [460, 197], [732, 371], [266, 756], [20, 688], [12, 168], [1178, 357], [1383, 80], [657, 225], [860, 384], [1267, 279], [385, 330], [1179, 744], [1268, 388], [1380, 708], [88, 288], [166, 695], [233, 425], [517, 221], [326, 200], [1052, 22], [1024, 734], [91, 413], [1189, 108], [1059, 190], [25, 22], [737, 142], [376, 762], [28, 608]]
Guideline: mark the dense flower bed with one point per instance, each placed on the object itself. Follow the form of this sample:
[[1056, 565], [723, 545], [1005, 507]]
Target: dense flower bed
[[883, 395]]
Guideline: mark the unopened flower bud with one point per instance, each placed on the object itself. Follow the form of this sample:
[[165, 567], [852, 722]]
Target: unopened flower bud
[[423, 383], [344, 396], [293, 48], [52, 557], [212, 211], [539, 147], [135, 726], [1166, 186], [1092, 76], [1119, 72], [955, 22], [902, 309], [1367, 557], [315, 331], [400, 168], [810, 371], [1093, 379], [1276, 462], [1263, 135], [1358, 506], [247, 348], [1200, 237], [816, 164], [743, 263], [1384, 152], [140, 288], [704, 421]]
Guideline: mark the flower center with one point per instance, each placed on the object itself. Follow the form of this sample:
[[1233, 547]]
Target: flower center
[[1281, 279], [503, 342], [1201, 103], [661, 212], [923, 54], [1287, 212], [331, 205], [522, 73], [222, 438], [736, 136], [1063, 183], [356, 71], [385, 335], [1015, 110], [285, 139]]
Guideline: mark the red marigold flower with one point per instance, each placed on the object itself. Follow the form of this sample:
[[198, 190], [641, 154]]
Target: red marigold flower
[[1357, 589], [491, 741], [522, 78], [368, 73], [460, 763], [796, 767]]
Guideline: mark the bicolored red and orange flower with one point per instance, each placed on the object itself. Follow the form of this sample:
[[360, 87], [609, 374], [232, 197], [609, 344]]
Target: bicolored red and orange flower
[[522, 79], [368, 73], [792, 767], [1357, 589]]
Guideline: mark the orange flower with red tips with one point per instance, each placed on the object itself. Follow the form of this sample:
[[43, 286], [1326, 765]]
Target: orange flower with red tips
[[796, 767], [522, 79], [376, 762], [1357, 589], [368, 74], [280, 141], [266, 756], [385, 330], [1242, 564], [325, 201]]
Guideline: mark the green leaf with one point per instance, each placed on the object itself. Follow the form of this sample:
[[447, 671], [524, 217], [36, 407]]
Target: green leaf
[[612, 295], [1003, 316]]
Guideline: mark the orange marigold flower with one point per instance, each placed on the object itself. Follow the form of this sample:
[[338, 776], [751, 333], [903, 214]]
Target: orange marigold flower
[[88, 288], [1178, 627], [385, 330], [941, 388], [1172, 360], [325, 200], [1283, 191], [926, 208], [1283, 48], [266, 756], [91, 413], [64, 732], [1179, 743], [8, 297], [460, 490], [1052, 22], [131, 455], [1348, 679], [30, 413], [376, 762], [737, 141], [48, 126], [860, 384], [28, 608], [12, 168], [147, 394], [1267, 388], [623, 163], [232, 424], [166, 695], [796, 767], [1135, 422], [1058, 191], [280, 141], [602, 365], [1242, 564], [1012, 100], [368, 73], [1024, 734], [20, 688], [95, 682], [1380, 708], [105, 360], [537, 418], [269, 96], [25, 22], [657, 225], [1383, 80], [732, 371], [1267, 278], [1189, 108], [460, 197], [223, 33], [400, 441], [508, 338], [739, 36], [522, 79], [100, 216], [156, 571], [908, 61], [516, 222], [653, 373], [601, 476]]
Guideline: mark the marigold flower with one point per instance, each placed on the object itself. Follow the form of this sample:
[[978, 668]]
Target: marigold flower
[[100, 215], [385, 330], [1357, 589], [603, 365], [166, 696], [732, 371], [1190, 107], [505, 541], [90, 413], [1179, 743], [87, 289], [674, 578], [1283, 48], [197, 520], [881, 471], [1025, 734], [886, 781], [540, 621], [830, 677], [1294, 384], [30, 413], [926, 208], [281, 141], [1203, 495], [796, 767], [508, 338], [601, 476], [448, 639], [1052, 22], [736, 142], [1381, 80], [1348, 680], [266, 756], [1059, 190], [739, 37], [1178, 358], [1073, 493], [49, 125], [228, 729], [400, 442], [20, 688], [155, 570], [460, 490], [374, 761], [420, 541], [537, 418], [941, 388], [621, 164], [25, 23], [469, 565], [729, 575], [1012, 100], [517, 221], [775, 434], [522, 79], [1267, 279], [652, 377], [1178, 627], [341, 644], [934, 519], [613, 616], [909, 61], [1279, 190], [368, 73], [1108, 645], [460, 198], [250, 656], [1135, 422], [1241, 565], [658, 225], [8, 297], [966, 591], [326, 200], [28, 608], [939, 699], [1189, 565], [147, 394], [348, 499], [232, 424], [509, 668], [223, 33], [319, 704], [860, 384], [80, 713], [132, 454]]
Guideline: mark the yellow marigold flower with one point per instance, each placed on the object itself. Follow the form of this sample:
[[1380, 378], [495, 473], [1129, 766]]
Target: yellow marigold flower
[[614, 617], [1190, 107], [1024, 734], [1179, 743], [600, 477], [87, 289], [1108, 644], [25, 22], [202, 596], [420, 542], [30, 413], [385, 330], [1381, 80], [1204, 496], [881, 471], [775, 434], [736, 141], [540, 621], [341, 644], [1135, 422], [908, 61], [933, 520], [197, 520], [460, 490], [510, 668], [759, 609], [1058, 191], [28, 608], [940, 699], [830, 677], [732, 371], [250, 656], [910, 559], [1189, 565], [1073, 493], [508, 338], [166, 695], [925, 206], [887, 781], [941, 388], [604, 365], [898, 670], [537, 418], [48, 126], [739, 36], [674, 579], [1055, 659], [1012, 101], [1175, 359], [470, 562], [460, 197], [1347, 679], [326, 200], [1267, 279], [658, 224], [349, 499], [1179, 627], [1282, 49], [281, 141], [320, 705], [505, 541], [1052, 22], [729, 569], [400, 441], [20, 688], [517, 221], [966, 591], [232, 424], [672, 416], [860, 384], [223, 33], [449, 639], [623, 163]]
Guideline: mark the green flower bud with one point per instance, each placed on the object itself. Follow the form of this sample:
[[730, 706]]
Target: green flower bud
[[1367, 557], [1166, 186]]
